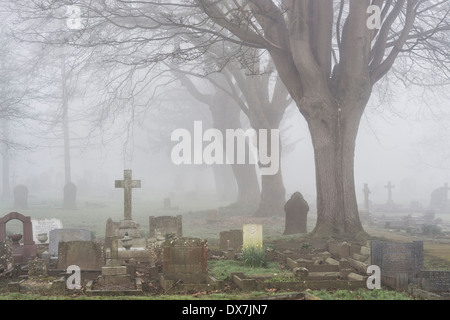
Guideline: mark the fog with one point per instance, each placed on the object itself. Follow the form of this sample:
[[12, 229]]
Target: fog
[[390, 147], [402, 137]]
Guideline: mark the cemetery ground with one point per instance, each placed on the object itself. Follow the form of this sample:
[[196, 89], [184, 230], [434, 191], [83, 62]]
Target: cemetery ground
[[92, 215]]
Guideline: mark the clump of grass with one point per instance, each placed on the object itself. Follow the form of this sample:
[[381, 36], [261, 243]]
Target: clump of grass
[[222, 269], [280, 278], [254, 256]]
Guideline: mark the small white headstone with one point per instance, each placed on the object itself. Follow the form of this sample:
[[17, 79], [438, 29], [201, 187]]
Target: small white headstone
[[45, 226], [252, 235]]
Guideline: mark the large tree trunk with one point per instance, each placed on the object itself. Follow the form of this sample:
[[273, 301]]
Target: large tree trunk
[[334, 149], [272, 196]]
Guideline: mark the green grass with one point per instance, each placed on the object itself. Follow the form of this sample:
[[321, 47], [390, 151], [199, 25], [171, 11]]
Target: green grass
[[361, 294], [221, 269], [201, 296]]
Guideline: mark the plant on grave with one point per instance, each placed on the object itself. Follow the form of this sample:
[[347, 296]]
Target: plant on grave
[[305, 246], [254, 256]]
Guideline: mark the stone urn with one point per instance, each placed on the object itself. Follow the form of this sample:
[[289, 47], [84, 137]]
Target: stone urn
[[127, 241], [15, 238], [42, 237]]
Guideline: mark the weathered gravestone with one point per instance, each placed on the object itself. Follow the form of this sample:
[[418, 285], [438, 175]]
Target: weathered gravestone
[[70, 196], [87, 255], [399, 262], [44, 226], [296, 209], [162, 226], [110, 232], [65, 235], [252, 235], [230, 240], [185, 259], [28, 249], [20, 197], [435, 280]]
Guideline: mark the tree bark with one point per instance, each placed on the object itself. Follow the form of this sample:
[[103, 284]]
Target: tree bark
[[334, 148]]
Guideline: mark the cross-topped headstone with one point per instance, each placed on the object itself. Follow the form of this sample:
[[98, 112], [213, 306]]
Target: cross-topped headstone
[[390, 187], [366, 191], [127, 184]]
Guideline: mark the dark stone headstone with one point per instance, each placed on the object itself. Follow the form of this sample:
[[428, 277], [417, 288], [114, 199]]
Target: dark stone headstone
[[184, 258], [435, 280], [70, 196], [395, 258], [85, 254], [232, 239], [296, 209], [20, 197]]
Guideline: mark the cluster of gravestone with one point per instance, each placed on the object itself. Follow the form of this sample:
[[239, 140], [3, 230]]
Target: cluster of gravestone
[[415, 219], [439, 202], [20, 193], [125, 261], [115, 265]]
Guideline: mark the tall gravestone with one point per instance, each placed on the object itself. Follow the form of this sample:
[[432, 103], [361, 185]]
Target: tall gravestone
[[28, 249], [20, 197], [296, 209], [70, 196], [127, 225], [252, 235], [44, 226], [397, 260]]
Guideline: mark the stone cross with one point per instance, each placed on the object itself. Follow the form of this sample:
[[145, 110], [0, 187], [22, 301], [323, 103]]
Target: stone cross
[[366, 191], [127, 184], [390, 187]]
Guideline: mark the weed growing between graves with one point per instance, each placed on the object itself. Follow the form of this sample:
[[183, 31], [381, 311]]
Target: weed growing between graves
[[361, 294], [221, 269]]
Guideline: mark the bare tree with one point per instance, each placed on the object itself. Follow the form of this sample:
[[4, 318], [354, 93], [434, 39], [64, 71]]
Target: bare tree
[[327, 53], [330, 60]]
